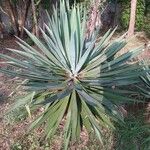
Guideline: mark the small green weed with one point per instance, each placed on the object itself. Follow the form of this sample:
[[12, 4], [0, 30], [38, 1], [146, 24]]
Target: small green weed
[[135, 135]]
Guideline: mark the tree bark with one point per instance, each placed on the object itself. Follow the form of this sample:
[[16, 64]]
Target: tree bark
[[35, 23], [94, 20], [13, 16], [1, 27], [115, 14], [24, 18], [132, 18]]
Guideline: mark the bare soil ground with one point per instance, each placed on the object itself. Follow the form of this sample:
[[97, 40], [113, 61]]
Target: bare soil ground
[[10, 133]]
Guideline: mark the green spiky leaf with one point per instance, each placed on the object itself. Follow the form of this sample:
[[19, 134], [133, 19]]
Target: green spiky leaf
[[74, 78]]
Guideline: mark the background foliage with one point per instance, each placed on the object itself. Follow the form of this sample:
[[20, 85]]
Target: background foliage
[[125, 15]]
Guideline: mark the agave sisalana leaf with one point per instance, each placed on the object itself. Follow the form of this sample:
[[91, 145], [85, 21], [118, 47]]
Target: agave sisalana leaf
[[146, 79], [73, 77]]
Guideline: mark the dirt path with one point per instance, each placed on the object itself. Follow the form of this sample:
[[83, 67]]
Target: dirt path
[[137, 41]]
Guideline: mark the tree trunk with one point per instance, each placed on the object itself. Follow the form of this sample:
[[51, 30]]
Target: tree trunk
[[24, 18], [94, 20], [35, 23], [115, 14], [1, 24], [14, 16], [132, 18], [1, 27]]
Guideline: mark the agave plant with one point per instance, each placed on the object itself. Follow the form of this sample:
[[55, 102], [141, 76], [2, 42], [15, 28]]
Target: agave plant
[[146, 80], [73, 77]]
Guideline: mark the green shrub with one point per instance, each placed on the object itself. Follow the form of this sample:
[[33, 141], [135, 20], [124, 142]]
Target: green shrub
[[16, 146], [16, 115], [134, 135], [74, 78], [147, 26], [147, 30], [125, 15]]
